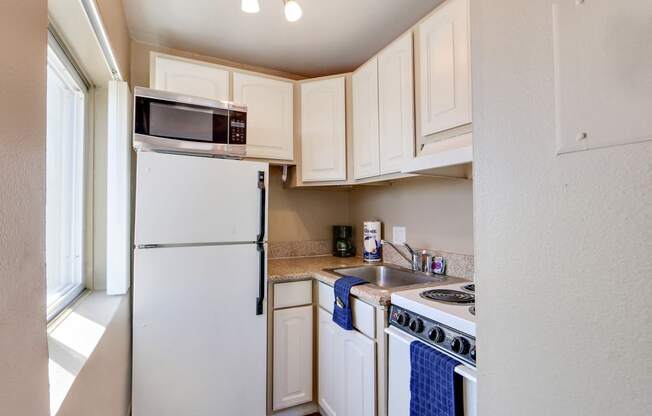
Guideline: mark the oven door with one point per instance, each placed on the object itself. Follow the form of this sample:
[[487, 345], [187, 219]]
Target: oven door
[[177, 126], [399, 376]]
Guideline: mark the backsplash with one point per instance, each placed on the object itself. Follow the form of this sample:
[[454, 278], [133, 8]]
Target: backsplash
[[457, 265], [283, 249]]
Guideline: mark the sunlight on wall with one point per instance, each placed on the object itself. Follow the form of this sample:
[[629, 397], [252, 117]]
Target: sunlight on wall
[[71, 342]]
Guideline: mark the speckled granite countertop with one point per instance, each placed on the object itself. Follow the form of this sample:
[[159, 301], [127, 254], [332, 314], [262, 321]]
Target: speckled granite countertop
[[302, 268]]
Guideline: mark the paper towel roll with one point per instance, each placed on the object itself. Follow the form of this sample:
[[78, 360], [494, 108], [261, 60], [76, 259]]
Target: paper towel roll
[[372, 241]]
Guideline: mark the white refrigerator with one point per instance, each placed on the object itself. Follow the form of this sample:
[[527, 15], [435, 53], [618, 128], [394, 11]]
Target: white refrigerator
[[199, 306]]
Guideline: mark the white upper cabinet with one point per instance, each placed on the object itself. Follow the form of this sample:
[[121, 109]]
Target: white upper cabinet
[[323, 130], [366, 152], [396, 105], [269, 115], [187, 77], [445, 73]]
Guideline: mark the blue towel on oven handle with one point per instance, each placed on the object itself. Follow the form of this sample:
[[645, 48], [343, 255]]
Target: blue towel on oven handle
[[342, 314], [434, 388]]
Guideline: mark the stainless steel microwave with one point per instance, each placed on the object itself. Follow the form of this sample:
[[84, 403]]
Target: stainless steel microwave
[[169, 122]]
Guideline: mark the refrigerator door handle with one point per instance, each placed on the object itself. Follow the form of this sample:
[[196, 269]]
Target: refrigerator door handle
[[261, 278], [263, 214]]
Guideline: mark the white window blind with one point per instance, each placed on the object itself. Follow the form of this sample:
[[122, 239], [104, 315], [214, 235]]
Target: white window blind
[[64, 212]]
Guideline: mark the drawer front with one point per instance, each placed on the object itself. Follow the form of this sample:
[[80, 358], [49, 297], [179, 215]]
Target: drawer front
[[291, 294], [363, 313]]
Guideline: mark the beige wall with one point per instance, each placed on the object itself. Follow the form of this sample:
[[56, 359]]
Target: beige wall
[[23, 349], [437, 213], [304, 214], [563, 243], [115, 22]]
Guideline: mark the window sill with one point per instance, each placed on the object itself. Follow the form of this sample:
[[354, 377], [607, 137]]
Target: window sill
[[73, 337]]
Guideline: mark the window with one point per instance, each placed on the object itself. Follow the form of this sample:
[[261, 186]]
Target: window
[[65, 180]]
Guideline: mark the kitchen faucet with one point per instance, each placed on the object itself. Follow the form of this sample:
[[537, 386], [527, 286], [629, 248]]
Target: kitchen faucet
[[414, 259]]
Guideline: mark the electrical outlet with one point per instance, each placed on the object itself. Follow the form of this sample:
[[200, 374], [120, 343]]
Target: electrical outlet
[[398, 234]]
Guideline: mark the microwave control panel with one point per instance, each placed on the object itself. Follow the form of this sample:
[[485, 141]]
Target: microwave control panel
[[238, 127]]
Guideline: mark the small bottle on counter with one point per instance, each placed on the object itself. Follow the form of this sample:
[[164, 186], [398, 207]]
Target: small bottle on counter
[[438, 265]]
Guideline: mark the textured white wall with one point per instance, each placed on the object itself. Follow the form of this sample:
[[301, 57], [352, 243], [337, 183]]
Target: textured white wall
[[563, 243], [23, 349]]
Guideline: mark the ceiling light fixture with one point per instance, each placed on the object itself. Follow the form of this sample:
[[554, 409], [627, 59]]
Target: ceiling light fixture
[[293, 11], [250, 6]]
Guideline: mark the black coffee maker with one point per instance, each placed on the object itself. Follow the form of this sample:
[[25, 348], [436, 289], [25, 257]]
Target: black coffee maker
[[343, 241]]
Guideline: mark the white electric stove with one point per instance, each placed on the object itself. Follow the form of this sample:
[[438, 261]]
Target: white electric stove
[[442, 317]]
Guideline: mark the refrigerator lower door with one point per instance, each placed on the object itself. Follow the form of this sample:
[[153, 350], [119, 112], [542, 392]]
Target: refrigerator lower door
[[199, 347], [189, 199]]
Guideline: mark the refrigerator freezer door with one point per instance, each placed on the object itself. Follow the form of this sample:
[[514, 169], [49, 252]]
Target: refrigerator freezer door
[[186, 199], [198, 346]]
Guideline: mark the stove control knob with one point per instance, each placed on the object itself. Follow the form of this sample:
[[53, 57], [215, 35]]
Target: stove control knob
[[436, 334], [416, 325], [460, 345], [403, 319], [472, 353]]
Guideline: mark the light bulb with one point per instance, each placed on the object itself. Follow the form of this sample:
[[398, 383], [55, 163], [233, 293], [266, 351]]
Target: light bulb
[[292, 11], [250, 6]]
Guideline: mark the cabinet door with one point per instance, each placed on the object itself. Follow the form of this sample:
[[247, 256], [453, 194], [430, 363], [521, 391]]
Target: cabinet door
[[327, 363], [292, 357], [445, 76], [396, 105], [358, 378], [323, 130], [269, 115], [365, 121], [190, 78]]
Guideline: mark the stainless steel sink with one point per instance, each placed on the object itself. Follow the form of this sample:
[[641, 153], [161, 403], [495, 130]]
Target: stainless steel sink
[[387, 276]]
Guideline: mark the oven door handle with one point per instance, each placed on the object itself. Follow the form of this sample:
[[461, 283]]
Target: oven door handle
[[463, 370]]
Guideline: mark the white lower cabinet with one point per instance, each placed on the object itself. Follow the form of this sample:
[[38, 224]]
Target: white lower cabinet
[[292, 357], [328, 363], [347, 370]]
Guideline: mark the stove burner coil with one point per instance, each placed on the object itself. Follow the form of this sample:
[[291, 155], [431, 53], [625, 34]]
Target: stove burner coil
[[449, 296]]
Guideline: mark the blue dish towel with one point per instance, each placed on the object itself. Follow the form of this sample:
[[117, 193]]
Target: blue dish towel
[[342, 305], [434, 388]]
